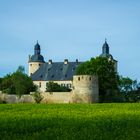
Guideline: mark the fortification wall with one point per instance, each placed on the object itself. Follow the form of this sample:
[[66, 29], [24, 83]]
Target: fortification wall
[[85, 89], [5, 98], [56, 97]]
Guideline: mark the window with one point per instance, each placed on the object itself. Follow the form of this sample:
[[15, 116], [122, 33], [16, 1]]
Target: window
[[30, 64], [39, 84], [39, 65], [90, 78], [78, 78]]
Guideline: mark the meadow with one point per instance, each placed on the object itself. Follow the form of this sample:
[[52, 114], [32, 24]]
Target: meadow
[[70, 121]]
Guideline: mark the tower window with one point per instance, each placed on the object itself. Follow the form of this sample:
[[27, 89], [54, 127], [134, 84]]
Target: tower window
[[78, 78]]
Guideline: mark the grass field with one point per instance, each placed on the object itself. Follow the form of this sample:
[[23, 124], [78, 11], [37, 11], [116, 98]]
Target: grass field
[[70, 121]]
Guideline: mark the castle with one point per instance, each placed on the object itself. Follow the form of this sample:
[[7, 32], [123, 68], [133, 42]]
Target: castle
[[84, 87]]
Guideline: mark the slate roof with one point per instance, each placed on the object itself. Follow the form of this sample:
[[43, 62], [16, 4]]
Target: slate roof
[[37, 58], [57, 71]]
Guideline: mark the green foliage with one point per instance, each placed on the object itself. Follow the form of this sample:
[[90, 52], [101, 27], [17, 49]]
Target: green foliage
[[126, 84], [108, 78], [37, 97], [70, 121], [54, 87], [17, 83], [130, 89]]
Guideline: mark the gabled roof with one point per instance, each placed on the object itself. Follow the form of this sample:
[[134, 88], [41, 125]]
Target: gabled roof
[[57, 71]]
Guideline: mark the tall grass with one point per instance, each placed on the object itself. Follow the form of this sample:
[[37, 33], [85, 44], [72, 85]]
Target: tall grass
[[70, 121]]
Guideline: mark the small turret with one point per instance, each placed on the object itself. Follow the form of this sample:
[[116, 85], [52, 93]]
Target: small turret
[[105, 48], [36, 60], [105, 53], [37, 49]]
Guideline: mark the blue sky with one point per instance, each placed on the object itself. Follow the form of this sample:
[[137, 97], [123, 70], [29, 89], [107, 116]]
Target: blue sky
[[70, 29]]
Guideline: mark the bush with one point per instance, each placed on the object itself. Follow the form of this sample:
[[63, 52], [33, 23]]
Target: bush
[[54, 87], [37, 97]]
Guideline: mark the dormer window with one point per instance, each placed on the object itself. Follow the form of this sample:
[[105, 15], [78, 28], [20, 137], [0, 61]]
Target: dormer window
[[73, 69], [49, 69]]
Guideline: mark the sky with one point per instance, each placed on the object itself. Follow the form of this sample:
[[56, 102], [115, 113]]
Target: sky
[[70, 29]]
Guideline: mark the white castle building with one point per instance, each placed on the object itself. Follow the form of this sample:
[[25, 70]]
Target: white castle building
[[63, 73]]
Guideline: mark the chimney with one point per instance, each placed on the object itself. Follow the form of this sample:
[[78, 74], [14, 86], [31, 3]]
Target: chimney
[[50, 62], [66, 61]]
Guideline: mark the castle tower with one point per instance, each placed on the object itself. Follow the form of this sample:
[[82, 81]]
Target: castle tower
[[85, 89], [105, 53], [36, 60]]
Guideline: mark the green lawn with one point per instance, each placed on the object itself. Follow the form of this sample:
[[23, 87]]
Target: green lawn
[[70, 121]]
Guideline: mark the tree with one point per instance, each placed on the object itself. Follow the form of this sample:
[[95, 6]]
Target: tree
[[108, 78], [17, 83], [130, 89], [126, 84], [54, 87]]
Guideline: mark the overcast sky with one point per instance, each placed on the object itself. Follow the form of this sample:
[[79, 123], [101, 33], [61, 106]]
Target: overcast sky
[[70, 29]]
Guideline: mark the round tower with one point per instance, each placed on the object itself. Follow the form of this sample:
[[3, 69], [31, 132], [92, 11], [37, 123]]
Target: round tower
[[85, 89], [36, 60]]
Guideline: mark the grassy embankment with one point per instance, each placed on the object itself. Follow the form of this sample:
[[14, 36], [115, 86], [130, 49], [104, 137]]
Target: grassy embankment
[[70, 121]]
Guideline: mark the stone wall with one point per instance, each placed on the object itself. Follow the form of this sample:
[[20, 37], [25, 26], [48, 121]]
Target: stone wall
[[56, 97], [6, 98]]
